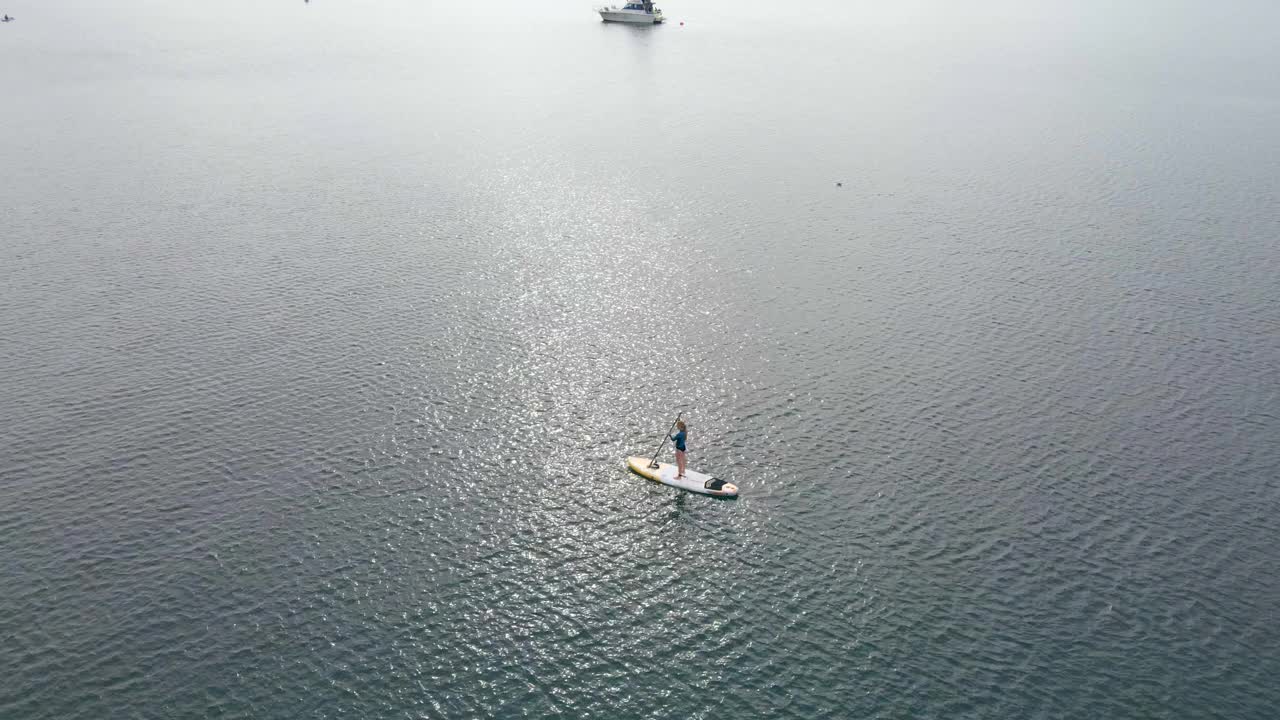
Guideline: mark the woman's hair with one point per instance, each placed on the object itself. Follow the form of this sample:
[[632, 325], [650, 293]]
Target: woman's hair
[[680, 424]]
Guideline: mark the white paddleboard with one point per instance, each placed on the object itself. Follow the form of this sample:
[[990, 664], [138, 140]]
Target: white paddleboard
[[692, 481]]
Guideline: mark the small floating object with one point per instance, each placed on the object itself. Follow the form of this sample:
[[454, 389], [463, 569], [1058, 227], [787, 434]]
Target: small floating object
[[839, 184], [665, 473], [692, 481]]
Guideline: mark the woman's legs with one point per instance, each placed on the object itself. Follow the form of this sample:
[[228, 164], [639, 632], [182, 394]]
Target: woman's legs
[[680, 463]]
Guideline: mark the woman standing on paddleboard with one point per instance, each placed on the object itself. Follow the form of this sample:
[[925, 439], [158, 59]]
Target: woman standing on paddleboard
[[679, 439]]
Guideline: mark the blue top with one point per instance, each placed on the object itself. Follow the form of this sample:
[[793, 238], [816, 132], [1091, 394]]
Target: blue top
[[679, 438]]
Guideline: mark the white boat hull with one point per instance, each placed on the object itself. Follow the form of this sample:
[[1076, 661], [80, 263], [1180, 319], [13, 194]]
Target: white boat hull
[[630, 16]]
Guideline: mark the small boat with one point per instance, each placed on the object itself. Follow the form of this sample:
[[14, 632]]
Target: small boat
[[633, 12]]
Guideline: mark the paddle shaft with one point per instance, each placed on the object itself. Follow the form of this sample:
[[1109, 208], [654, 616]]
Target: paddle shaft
[[666, 436]]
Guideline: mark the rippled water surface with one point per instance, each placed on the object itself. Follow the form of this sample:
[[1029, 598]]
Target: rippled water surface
[[326, 328]]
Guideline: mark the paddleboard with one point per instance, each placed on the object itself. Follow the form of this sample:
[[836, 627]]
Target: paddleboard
[[692, 481]]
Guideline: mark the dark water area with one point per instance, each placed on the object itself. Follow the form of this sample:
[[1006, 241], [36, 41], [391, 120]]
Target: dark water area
[[326, 329]]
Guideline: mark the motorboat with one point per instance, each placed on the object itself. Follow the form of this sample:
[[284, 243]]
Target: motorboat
[[633, 12]]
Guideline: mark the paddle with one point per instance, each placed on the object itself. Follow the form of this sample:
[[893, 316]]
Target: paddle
[[665, 436]]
